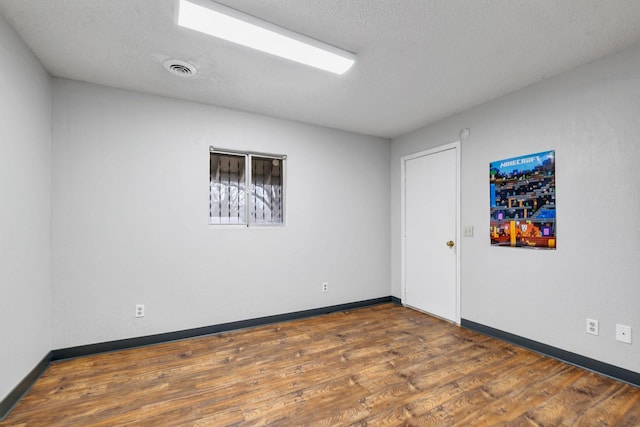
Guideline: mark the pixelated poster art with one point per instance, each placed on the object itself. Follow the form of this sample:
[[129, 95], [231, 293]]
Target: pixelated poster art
[[523, 201]]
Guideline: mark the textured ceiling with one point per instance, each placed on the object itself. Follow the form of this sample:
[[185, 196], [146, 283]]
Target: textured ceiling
[[418, 61]]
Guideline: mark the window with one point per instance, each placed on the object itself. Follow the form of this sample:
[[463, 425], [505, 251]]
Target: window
[[246, 188]]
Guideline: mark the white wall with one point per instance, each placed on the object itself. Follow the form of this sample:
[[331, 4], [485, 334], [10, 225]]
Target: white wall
[[590, 117], [25, 210], [130, 202]]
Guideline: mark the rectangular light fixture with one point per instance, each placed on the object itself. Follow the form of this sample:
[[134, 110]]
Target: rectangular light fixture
[[229, 24]]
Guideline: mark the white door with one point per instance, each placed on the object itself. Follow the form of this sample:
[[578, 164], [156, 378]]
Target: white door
[[430, 218]]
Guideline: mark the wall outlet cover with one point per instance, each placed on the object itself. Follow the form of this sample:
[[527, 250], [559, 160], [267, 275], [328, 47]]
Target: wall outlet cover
[[139, 310], [623, 333], [593, 327]]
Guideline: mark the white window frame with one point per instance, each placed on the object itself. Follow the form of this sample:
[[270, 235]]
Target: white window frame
[[249, 200]]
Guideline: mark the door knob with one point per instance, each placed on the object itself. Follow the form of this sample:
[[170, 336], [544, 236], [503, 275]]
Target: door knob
[[450, 243]]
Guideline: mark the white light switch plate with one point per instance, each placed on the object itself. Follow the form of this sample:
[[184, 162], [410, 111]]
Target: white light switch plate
[[467, 231]]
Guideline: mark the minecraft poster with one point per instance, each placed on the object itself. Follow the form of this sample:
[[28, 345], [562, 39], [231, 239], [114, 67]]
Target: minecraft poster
[[523, 201]]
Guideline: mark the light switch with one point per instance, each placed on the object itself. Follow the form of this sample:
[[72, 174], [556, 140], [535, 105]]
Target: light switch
[[467, 231]]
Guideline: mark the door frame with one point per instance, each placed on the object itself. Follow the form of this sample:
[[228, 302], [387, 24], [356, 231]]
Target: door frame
[[455, 146]]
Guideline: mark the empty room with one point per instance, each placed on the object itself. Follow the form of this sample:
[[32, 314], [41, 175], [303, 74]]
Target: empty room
[[303, 212]]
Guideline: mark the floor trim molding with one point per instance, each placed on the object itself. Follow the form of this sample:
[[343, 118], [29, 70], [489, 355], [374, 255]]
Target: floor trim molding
[[612, 371], [105, 347], [12, 399]]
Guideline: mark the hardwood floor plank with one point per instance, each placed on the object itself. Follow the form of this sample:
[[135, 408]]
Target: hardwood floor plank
[[579, 396], [510, 395], [607, 411], [384, 366]]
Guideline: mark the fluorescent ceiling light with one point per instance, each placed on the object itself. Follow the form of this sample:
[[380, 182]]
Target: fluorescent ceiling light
[[229, 24]]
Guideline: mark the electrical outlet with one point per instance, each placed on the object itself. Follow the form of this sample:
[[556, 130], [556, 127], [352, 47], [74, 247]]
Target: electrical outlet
[[139, 310], [623, 333], [593, 327], [325, 286]]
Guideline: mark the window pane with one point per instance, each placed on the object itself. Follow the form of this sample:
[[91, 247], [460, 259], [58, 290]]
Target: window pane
[[227, 204], [266, 190]]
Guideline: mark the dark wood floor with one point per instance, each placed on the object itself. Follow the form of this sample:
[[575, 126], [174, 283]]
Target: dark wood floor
[[376, 366]]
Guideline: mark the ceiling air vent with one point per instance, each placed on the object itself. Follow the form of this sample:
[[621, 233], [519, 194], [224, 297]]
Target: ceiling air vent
[[180, 68]]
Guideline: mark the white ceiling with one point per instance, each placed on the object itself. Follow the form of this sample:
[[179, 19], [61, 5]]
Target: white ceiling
[[418, 61]]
